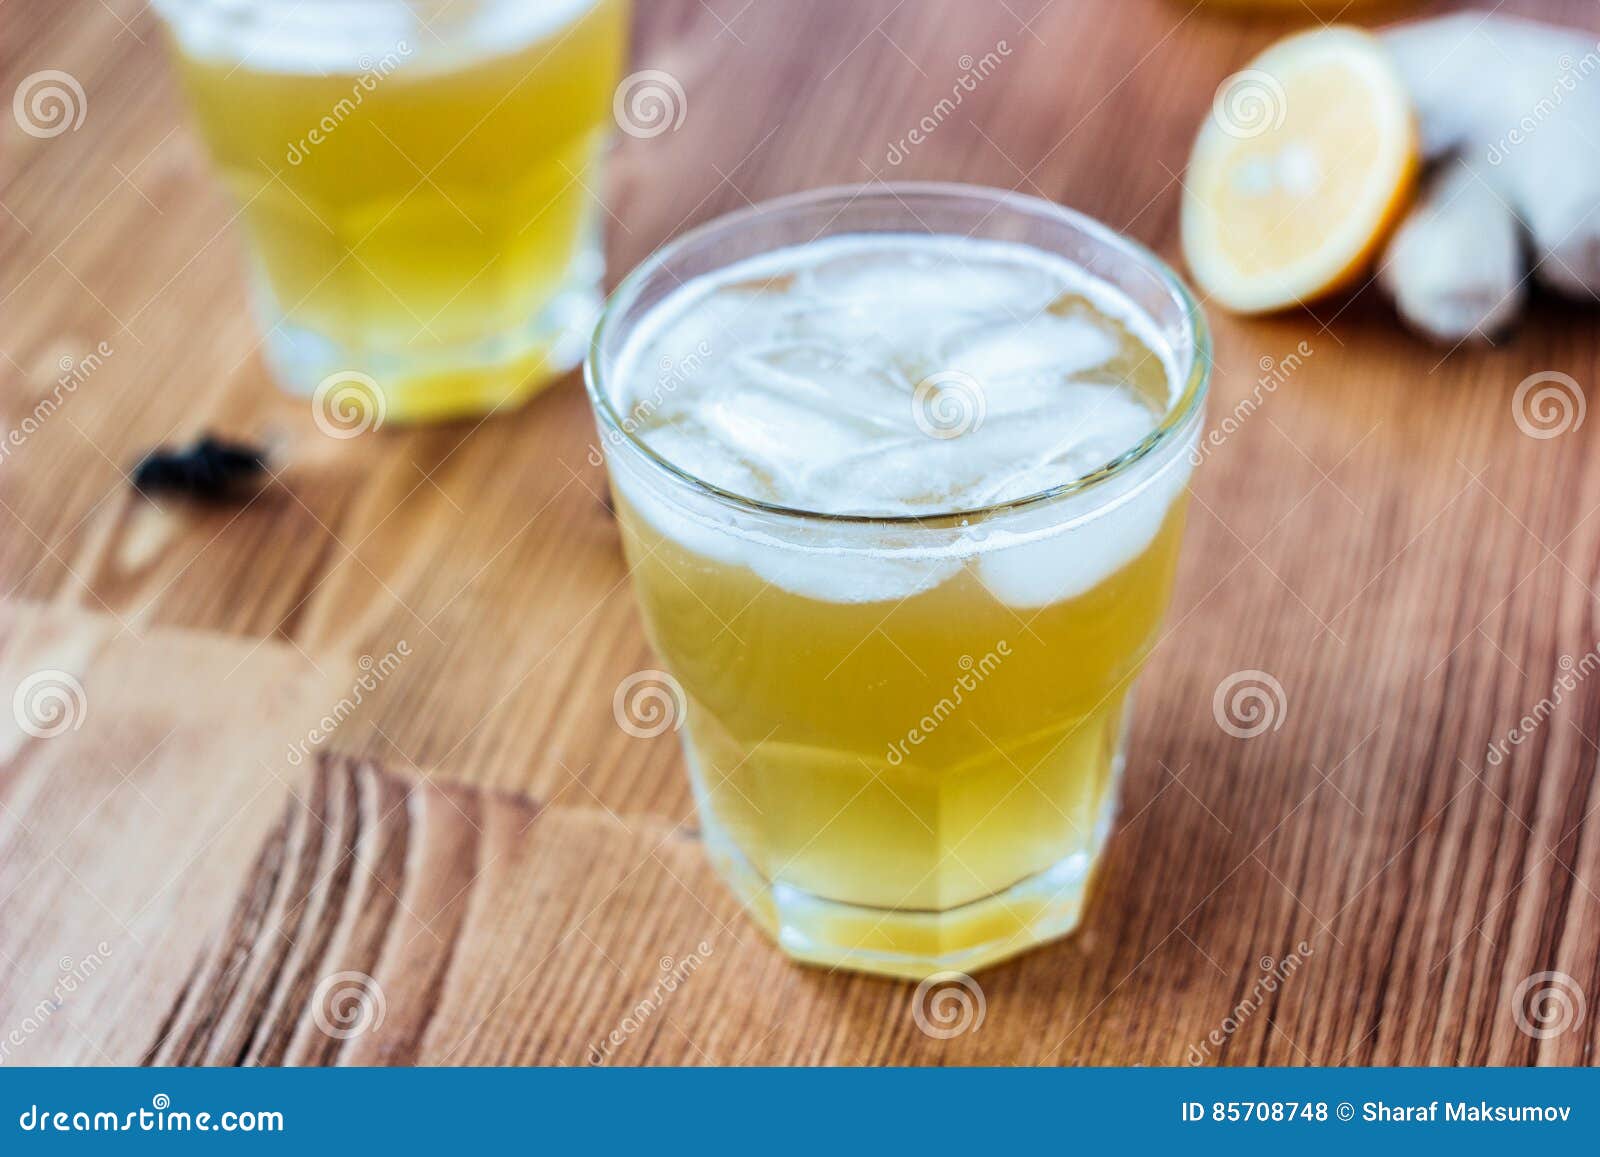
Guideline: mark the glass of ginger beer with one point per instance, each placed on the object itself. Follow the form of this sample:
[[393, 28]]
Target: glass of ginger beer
[[416, 180], [901, 475]]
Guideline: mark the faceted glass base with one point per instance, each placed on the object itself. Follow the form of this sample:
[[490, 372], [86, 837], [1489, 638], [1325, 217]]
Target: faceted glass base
[[437, 381], [915, 944]]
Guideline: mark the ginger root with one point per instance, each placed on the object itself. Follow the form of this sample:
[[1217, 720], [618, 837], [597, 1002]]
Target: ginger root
[[1509, 111]]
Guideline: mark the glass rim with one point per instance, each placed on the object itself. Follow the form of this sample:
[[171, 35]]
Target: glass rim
[[1186, 405]]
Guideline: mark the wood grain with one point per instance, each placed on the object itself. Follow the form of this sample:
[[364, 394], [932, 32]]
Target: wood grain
[[124, 838], [509, 869]]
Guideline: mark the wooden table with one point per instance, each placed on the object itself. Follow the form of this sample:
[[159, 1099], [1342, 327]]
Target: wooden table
[[507, 875]]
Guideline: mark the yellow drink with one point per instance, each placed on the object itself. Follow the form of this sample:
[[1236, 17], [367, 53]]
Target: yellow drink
[[417, 182], [906, 691], [911, 759]]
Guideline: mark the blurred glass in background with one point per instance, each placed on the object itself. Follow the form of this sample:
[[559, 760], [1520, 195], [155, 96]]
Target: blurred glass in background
[[418, 183]]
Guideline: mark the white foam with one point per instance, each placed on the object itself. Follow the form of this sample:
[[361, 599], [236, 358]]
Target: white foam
[[899, 375], [351, 36]]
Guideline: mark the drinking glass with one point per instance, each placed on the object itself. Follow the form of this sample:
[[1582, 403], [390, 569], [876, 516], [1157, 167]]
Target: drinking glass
[[416, 180], [904, 734]]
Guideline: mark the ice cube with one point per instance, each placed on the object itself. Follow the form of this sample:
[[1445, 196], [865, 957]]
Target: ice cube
[[914, 473], [926, 273], [784, 438], [693, 449], [1089, 426], [693, 349], [827, 378], [1040, 568], [849, 576], [1045, 344]]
